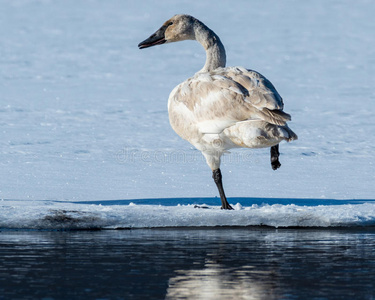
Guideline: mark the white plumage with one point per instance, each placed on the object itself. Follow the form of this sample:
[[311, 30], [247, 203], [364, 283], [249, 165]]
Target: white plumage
[[220, 107]]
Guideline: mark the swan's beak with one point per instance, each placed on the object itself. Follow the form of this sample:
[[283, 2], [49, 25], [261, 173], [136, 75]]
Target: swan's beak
[[157, 38]]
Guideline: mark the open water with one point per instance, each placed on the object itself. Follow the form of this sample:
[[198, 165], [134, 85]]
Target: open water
[[216, 263]]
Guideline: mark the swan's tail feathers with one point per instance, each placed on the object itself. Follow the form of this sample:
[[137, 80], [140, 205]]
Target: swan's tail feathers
[[276, 117], [258, 134], [288, 133]]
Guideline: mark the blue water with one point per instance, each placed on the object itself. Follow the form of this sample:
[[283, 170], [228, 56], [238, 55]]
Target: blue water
[[245, 201], [223, 263]]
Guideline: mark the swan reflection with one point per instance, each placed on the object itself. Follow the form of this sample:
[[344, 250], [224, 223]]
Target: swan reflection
[[216, 281]]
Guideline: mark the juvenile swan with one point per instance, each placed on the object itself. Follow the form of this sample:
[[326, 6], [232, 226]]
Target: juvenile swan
[[220, 107]]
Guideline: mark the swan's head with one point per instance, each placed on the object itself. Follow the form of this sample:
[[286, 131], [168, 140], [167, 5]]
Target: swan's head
[[177, 28]]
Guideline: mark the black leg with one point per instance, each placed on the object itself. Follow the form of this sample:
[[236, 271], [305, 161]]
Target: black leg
[[216, 175], [275, 163]]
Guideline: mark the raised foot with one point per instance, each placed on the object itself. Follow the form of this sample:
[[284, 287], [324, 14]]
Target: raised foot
[[275, 165]]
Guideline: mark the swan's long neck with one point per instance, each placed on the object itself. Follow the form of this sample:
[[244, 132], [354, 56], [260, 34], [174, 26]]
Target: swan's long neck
[[215, 52]]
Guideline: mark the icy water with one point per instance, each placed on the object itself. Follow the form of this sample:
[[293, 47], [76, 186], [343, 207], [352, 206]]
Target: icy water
[[225, 263]]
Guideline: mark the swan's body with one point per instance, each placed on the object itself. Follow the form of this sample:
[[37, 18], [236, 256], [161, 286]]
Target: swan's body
[[220, 107]]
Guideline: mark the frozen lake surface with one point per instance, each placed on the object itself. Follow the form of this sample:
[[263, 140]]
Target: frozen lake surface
[[83, 111], [83, 116]]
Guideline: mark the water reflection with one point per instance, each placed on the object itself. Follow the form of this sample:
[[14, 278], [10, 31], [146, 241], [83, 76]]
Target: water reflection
[[222, 263], [215, 281]]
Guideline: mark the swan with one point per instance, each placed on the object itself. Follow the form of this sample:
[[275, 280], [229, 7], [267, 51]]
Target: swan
[[220, 107]]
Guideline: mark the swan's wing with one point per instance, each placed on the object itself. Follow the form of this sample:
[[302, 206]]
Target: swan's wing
[[219, 99], [261, 92]]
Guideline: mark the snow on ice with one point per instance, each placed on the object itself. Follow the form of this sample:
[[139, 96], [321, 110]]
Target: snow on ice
[[112, 215], [83, 115]]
